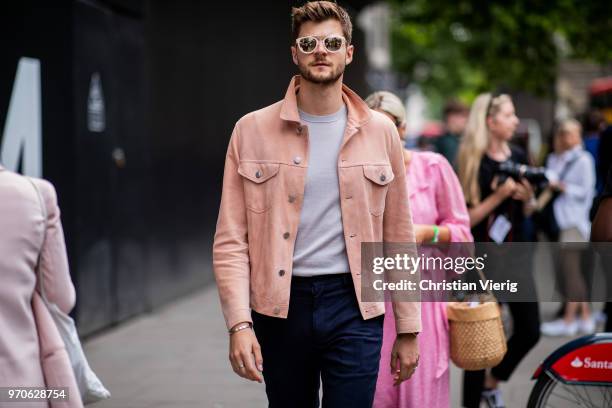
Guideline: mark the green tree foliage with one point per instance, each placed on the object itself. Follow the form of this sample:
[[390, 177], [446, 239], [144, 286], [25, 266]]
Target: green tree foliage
[[463, 47]]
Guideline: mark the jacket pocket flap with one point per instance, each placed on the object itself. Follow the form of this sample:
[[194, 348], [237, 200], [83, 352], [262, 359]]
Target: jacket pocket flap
[[380, 174], [258, 172]]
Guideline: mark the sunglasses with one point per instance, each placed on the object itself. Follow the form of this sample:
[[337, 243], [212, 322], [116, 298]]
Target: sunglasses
[[332, 43]]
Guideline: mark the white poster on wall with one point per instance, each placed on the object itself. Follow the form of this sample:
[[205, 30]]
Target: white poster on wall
[[96, 112]]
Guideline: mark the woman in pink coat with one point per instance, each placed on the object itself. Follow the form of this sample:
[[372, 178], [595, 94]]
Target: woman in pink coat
[[437, 203], [21, 241]]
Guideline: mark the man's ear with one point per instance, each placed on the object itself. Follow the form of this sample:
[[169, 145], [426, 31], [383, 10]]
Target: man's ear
[[294, 55], [349, 54]]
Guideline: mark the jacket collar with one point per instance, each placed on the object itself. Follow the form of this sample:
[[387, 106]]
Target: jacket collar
[[358, 111]]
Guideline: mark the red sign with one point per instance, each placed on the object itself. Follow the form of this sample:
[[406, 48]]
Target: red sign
[[591, 363]]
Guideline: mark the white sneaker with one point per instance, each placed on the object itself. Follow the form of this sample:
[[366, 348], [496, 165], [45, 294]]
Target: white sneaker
[[558, 328], [493, 398], [586, 326]]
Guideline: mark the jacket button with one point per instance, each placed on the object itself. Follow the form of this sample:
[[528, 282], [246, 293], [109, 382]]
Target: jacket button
[[297, 160], [258, 174], [299, 130], [353, 235], [286, 235], [281, 272], [383, 177], [276, 310], [291, 198], [348, 197]]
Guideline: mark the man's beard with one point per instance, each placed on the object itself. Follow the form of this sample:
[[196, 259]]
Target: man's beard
[[328, 79]]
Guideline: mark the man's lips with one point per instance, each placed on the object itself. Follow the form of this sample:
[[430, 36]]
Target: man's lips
[[320, 64]]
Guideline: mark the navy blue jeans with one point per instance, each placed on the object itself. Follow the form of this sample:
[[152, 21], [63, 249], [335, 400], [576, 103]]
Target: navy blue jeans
[[324, 337]]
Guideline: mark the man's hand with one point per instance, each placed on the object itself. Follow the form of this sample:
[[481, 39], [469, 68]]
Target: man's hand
[[404, 357], [245, 355]]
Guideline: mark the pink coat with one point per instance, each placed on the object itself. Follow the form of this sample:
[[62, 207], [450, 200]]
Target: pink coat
[[21, 241]]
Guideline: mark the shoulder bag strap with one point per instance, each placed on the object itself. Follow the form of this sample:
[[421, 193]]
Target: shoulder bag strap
[[567, 167]]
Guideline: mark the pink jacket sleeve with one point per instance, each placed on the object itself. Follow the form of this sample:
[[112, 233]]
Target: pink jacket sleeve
[[53, 258], [398, 227], [452, 211], [231, 263]]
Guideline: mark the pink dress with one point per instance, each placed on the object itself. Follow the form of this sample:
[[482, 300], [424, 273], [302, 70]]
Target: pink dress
[[435, 198]]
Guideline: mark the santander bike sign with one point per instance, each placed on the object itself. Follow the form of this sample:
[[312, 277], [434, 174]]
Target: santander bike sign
[[591, 364]]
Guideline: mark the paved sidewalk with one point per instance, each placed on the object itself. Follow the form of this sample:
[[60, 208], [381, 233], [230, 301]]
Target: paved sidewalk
[[177, 357]]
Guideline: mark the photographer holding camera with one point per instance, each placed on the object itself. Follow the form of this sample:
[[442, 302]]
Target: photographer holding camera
[[498, 199]]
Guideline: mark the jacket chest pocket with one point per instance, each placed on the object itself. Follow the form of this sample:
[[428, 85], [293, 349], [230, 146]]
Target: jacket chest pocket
[[259, 181], [377, 179]]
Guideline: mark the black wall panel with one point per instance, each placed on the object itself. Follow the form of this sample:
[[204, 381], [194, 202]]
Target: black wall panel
[[43, 31], [113, 171]]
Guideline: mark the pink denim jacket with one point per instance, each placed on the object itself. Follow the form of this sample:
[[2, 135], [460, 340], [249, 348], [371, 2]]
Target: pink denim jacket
[[263, 190]]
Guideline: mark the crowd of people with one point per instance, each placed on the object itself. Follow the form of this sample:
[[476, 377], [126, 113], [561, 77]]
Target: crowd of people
[[477, 149]]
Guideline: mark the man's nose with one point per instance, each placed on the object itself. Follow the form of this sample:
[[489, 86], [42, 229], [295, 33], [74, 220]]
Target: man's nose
[[320, 49]]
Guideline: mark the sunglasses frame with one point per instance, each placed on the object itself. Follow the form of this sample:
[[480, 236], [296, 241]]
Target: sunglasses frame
[[317, 39]]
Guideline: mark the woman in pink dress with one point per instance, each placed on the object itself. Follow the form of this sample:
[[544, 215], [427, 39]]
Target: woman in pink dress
[[439, 215]]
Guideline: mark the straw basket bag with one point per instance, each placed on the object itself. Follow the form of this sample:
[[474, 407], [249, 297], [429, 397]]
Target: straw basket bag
[[477, 339]]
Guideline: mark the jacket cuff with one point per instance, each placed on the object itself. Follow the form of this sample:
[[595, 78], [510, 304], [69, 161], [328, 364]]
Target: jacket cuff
[[234, 317], [408, 325]]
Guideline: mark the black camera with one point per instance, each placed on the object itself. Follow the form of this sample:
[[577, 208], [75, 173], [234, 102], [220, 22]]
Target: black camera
[[536, 176]]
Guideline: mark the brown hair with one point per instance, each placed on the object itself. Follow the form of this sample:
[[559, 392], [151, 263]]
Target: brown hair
[[319, 11], [454, 106]]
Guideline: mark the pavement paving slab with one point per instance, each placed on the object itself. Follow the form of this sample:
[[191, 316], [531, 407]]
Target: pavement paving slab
[[176, 357]]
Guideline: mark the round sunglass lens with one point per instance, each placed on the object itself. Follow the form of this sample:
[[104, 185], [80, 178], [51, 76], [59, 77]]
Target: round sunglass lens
[[333, 43], [307, 44]]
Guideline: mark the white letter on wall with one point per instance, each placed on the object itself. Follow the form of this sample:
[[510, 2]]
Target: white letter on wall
[[23, 126]]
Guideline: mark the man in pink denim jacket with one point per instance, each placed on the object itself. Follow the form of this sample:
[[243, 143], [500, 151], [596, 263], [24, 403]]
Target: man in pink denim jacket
[[306, 180]]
